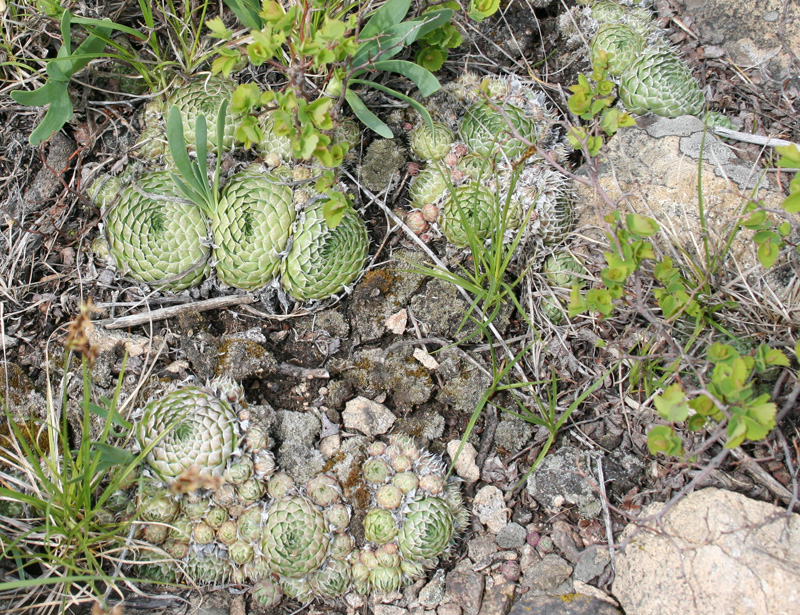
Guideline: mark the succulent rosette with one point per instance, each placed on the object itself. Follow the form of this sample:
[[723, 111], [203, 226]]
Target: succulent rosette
[[251, 228], [204, 96], [156, 236], [295, 537], [431, 142], [472, 207], [324, 260], [188, 427], [659, 82], [621, 42], [487, 129]]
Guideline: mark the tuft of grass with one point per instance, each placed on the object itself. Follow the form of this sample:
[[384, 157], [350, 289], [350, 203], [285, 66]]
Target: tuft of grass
[[59, 544]]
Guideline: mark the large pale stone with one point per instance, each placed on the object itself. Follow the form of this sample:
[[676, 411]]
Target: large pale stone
[[719, 552], [653, 168], [750, 31]]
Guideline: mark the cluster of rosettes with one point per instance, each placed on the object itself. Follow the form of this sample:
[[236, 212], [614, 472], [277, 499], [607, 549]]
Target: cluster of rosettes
[[651, 76], [267, 225], [481, 166], [254, 525]]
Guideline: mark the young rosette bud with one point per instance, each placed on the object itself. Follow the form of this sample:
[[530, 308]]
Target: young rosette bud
[[324, 260], [323, 490], [427, 187], [376, 471], [201, 430], [298, 588], [406, 482], [251, 490], [160, 508], [155, 533], [207, 567], [610, 11], [240, 552], [279, 485], [338, 517], [431, 143], [379, 526], [204, 97], [176, 549], [342, 546], [203, 534], [195, 506], [389, 496], [216, 516], [427, 531], [386, 578], [239, 470], [256, 439], [252, 228], [295, 537], [332, 580], [154, 566], [659, 82], [561, 268], [227, 533], [489, 129], [156, 236], [267, 593], [622, 44], [249, 524], [471, 207]]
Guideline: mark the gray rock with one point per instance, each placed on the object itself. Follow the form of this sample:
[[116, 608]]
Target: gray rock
[[465, 589], [498, 598], [512, 536], [482, 548], [400, 375], [490, 508], [747, 31], [575, 604], [367, 416], [298, 427], [512, 434], [557, 483], [591, 564], [433, 593], [739, 555], [547, 575], [388, 609]]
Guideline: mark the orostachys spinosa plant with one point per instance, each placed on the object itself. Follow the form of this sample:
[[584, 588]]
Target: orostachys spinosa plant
[[214, 508]]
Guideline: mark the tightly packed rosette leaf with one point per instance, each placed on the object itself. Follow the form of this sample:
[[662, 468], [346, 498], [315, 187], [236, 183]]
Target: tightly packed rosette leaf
[[488, 129], [470, 206], [252, 228], [659, 82], [431, 143], [189, 427], [204, 97], [324, 260], [608, 11], [156, 236], [428, 529], [622, 44], [295, 537], [332, 580]]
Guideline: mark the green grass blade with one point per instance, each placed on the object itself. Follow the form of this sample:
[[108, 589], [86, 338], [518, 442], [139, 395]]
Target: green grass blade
[[370, 120]]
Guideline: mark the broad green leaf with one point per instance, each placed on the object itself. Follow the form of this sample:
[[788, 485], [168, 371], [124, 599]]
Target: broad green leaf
[[388, 15], [672, 404], [767, 254], [721, 353], [58, 114], [641, 225], [789, 156], [41, 96], [663, 439], [247, 11], [369, 119], [418, 107], [791, 205], [218, 28], [431, 58], [422, 78], [245, 97]]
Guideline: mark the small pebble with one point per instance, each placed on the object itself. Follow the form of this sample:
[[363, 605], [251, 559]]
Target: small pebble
[[512, 536]]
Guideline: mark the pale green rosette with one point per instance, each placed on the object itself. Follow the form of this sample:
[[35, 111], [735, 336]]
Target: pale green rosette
[[252, 229], [295, 537], [324, 260], [156, 236], [472, 205], [621, 42], [659, 82], [489, 129], [427, 531], [204, 96], [201, 430]]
